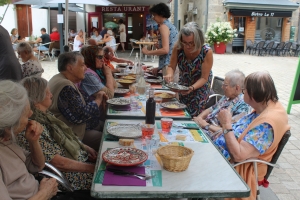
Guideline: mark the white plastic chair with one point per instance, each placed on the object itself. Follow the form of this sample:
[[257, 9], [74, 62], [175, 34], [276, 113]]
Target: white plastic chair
[[45, 52], [132, 41], [116, 48]]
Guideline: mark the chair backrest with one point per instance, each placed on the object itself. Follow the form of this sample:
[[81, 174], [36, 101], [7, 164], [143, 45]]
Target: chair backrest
[[270, 45], [275, 157], [260, 44], [132, 43], [249, 43], [217, 85], [281, 45], [288, 45]]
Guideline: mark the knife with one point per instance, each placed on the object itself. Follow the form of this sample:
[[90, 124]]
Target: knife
[[119, 171]]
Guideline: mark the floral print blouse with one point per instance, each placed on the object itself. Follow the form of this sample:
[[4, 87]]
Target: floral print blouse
[[32, 68], [261, 137]]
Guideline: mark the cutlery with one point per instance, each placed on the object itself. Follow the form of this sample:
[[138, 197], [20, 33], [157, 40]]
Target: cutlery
[[125, 172], [138, 176]]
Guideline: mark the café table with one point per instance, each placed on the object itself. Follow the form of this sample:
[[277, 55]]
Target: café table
[[209, 174], [141, 112], [141, 44]]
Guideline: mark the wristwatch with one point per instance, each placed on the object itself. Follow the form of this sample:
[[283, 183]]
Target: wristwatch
[[207, 127], [225, 131]]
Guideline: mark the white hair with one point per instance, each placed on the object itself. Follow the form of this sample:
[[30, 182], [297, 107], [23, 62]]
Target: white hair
[[109, 32], [13, 100], [235, 77]]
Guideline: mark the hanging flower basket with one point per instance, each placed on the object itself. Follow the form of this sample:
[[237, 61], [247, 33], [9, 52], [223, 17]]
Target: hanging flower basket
[[218, 34]]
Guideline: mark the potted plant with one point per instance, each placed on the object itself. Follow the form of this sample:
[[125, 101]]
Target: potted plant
[[218, 34]]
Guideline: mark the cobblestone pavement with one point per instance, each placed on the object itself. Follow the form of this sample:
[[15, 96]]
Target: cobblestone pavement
[[284, 182]]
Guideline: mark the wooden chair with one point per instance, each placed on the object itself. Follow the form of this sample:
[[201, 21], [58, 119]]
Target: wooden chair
[[271, 164]]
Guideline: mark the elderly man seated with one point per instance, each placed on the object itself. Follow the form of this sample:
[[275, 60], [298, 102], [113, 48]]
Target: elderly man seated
[[257, 134], [233, 99], [72, 106], [109, 56]]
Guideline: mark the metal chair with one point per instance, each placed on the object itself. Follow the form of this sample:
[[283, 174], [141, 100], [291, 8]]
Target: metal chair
[[286, 48], [58, 176], [249, 46], [295, 49], [271, 164], [216, 92], [278, 48], [258, 47], [268, 48], [44, 52], [132, 41]]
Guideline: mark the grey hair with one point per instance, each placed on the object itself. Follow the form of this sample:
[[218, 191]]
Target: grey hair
[[24, 46], [68, 58], [235, 77], [13, 100], [36, 89], [189, 29]]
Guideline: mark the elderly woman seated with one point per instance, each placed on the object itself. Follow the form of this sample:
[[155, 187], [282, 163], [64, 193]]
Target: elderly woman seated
[[59, 144], [233, 99], [98, 76], [31, 65], [16, 164], [257, 134]]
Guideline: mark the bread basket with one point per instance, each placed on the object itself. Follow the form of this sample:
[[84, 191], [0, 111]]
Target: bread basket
[[175, 158]]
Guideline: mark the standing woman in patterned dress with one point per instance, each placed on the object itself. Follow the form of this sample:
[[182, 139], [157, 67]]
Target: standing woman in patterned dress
[[195, 60]]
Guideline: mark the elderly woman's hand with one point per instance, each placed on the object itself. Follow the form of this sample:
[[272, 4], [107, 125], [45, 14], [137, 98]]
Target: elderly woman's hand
[[224, 116], [201, 122], [155, 71], [33, 131], [92, 153], [168, 78], [106, 69], [49, 187]]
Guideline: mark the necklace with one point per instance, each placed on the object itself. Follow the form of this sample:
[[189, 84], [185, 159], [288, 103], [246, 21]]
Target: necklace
[[12, 151]]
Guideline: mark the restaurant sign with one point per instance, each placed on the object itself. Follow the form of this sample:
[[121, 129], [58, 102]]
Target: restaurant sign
[[122, 8], [260, 13]]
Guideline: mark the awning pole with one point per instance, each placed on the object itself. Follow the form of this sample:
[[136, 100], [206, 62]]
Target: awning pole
[[66, 32]]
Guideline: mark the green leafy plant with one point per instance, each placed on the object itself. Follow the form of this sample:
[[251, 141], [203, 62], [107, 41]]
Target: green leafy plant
[[220, 32]]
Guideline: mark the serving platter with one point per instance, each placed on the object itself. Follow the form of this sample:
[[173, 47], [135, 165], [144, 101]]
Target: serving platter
[[173, 105], [118, 101], [164, 94], [125, 130], [176, 86], [124, 156], [121, 91], [153, 80]]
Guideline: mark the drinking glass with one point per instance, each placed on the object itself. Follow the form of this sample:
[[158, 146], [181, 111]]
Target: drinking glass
[[147, 130], [158, 101], [166, 124]]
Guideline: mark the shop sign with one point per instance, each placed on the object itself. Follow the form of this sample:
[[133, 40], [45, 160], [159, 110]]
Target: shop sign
[[260, 13], [124, 8]]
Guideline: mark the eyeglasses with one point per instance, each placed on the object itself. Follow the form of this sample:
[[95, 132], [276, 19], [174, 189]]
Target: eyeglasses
[[190, 44], [100, 57]]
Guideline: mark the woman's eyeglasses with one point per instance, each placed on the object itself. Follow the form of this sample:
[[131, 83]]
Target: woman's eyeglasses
[[188, 44], [100, 57]]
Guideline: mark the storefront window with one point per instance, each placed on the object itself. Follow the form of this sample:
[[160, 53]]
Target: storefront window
[[268, 28], [239, 25]]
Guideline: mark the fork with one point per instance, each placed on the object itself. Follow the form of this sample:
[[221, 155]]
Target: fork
[[138, 176]]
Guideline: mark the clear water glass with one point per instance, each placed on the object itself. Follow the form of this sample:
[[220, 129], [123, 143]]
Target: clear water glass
[[133, 104]]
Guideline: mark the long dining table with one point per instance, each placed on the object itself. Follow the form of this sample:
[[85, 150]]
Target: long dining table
[[209, 174]]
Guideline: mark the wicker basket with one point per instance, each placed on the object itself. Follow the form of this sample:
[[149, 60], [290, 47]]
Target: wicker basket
[[175, 158]]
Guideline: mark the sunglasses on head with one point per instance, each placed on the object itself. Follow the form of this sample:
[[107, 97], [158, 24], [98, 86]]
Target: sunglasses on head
[[99, 57]]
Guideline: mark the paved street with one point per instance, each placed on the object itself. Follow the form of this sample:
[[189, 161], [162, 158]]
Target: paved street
[[284, 182]]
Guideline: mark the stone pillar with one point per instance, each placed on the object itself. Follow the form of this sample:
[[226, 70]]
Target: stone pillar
[[285, 31]]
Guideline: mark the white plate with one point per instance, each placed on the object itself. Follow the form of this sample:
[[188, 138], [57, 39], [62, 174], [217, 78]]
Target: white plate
[[118, 101], [176, 86], [173, 105], [165, 91], [153, 80], [125, 130]]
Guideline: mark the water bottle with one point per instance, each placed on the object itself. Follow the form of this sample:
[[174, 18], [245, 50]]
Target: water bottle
[[133, 104], [150, 108], [138, 67], [155, 142]]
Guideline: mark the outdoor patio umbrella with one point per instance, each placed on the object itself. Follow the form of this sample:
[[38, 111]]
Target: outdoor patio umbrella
[[54, 6], [111, 25]]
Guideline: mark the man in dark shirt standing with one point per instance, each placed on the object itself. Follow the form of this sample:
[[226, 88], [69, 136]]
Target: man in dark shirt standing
[[10, 67], [44, 38]]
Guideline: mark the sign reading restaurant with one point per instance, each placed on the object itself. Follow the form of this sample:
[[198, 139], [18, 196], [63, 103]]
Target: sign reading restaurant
[[124, 8]]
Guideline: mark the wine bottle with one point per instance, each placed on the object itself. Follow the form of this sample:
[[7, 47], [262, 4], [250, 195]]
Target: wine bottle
[[150, 108]]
